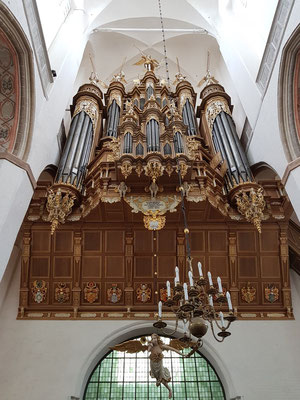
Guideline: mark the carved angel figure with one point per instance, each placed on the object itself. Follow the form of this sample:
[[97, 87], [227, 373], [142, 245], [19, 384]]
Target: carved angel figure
[[156, 347]]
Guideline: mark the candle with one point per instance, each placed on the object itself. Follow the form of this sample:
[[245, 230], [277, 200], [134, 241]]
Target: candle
[[186, 296], [209, 279], [222, 319], [210, 300], [191, 278], [175, 281], [159, 309], [177, 274], [168, 289], [200, 269], [229, 301], [219, 284]]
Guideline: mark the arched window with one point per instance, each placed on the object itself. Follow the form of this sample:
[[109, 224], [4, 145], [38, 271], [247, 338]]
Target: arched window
[[289, 96], [152, 134], [128, 143], [16, 87], [113, 119], [164, 102], [167, 149], [136, 102], [189, 118], [139, 150], [178, 143], [126, 376]]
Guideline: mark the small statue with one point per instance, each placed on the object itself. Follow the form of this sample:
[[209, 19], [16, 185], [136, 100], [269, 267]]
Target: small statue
[[156, 347], [123, 189], [153, 188]]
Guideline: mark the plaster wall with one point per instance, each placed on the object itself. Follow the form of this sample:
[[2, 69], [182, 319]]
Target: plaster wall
[[266, 144], [53, 359]]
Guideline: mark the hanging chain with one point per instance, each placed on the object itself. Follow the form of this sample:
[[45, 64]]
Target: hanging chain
[[186, 229], [165, 47]]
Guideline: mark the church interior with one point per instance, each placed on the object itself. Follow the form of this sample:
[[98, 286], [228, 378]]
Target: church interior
[[150, 199]]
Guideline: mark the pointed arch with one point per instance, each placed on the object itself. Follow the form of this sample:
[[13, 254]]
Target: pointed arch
[[17, 97]]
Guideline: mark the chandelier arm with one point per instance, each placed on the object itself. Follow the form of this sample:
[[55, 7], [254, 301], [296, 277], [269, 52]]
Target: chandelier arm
[[213, 332], [175, 330]]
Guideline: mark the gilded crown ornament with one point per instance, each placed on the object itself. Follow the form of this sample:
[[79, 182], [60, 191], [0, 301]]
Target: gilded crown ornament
[[251, 203], [59, 205]]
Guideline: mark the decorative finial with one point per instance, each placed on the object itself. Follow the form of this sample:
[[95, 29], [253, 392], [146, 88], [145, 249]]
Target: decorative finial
[[208, 79], [149, 63], [179, 77], [120, 76], [94, 79]]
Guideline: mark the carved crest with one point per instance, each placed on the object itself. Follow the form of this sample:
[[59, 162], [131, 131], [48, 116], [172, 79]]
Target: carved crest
[[143, 293], [91, 292], [114, 294], [248, 293], [39, 291], [62, 292], [271, 293], [163, 294]]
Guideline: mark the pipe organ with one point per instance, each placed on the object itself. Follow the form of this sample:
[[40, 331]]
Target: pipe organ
[[114, 211]]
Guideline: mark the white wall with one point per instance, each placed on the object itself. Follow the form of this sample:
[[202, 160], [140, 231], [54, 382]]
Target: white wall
[[52, 359]]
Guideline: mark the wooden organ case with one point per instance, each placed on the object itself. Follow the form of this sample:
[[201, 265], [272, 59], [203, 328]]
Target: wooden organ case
[[102, 238]]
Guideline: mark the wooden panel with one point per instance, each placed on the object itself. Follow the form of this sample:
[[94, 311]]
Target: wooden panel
[[114, 241], [269, 241], [246, 241], [63, 241], [217, 241], [143, 267], [114, 267], [92, 241], [62, 267], [143, 241], [270, 267], [218, 266], [39, 267], [91, 267], [166, 241], [247, 266], [41, 241], [166, 266], [197, 241]]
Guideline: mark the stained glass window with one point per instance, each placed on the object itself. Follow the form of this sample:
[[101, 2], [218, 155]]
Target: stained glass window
[[126, 376]]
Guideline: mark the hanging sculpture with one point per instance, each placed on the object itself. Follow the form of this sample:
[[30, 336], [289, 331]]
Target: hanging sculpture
[[156, 347]]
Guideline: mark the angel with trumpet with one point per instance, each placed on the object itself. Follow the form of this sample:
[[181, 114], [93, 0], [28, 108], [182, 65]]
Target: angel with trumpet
[[155, 347]]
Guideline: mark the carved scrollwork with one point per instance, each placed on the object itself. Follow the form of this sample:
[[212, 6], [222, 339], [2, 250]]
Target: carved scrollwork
[[214, 108]]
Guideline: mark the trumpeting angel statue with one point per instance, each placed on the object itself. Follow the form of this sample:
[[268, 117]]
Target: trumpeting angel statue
[[155, 347]]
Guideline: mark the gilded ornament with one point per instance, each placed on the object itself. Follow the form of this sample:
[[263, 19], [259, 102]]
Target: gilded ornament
[[126, 169], [114, 294], [39, 291], [251, 203], [139, 169], [193, 148], [214, 108], [90, 107], [59, 207], [143, 293], [154, 169], [115, 147], [154, 222], [183, 168], [169, 169], [271, 293], [62, 292], [91, 292], [248, 293]]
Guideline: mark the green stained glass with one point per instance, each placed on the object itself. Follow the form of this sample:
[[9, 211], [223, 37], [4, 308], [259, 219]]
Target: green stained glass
[[126, 376]]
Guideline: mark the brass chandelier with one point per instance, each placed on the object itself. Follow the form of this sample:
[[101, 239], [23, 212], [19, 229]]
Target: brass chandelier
[[193, 303]]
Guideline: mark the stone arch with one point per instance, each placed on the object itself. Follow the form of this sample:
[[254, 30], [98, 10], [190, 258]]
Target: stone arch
[[146, 328], [289, 96], [16, 87]]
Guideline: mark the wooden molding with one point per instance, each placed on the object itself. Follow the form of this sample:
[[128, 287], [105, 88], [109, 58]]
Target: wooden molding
[[21, 164]]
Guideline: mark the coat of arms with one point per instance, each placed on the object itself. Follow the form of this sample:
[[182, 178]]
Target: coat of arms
[[248, 293], [143, 293], [91, 292], [163, 294], [114, 294], [39, 291], [62, 292], [271, 293]]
